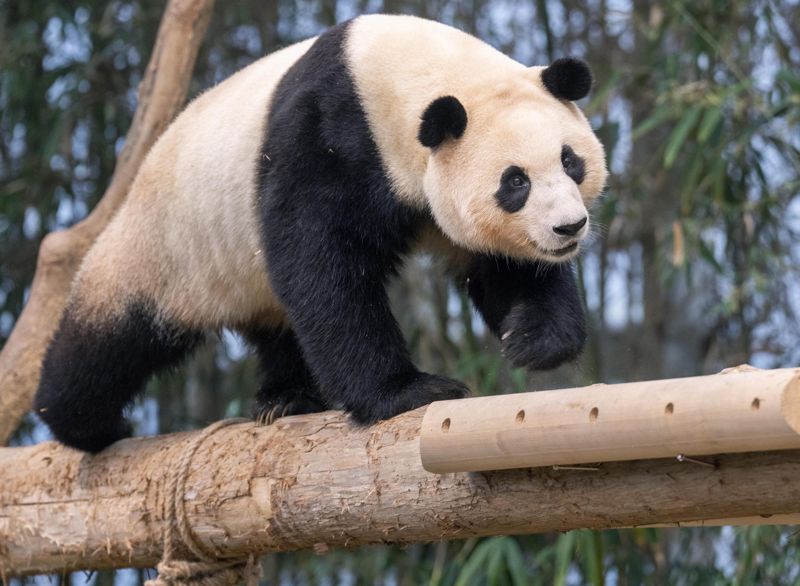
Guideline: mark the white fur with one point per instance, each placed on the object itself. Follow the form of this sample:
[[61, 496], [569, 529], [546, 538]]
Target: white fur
[[401, 64], [188, 233]]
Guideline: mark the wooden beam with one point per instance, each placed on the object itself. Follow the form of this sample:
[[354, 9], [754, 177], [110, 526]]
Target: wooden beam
[[732, 412], [317, 479]]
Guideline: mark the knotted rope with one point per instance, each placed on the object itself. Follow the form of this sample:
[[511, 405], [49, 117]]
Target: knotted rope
[[209, 568]]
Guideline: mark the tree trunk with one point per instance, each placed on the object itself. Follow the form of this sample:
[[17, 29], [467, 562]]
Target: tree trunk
[[317, 480], [162, 94]]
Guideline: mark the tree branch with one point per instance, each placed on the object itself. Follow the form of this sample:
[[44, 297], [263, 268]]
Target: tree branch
[[317, 479], [162, 93]]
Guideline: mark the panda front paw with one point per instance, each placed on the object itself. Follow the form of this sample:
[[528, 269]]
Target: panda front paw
[[542, 341], [406, 392]]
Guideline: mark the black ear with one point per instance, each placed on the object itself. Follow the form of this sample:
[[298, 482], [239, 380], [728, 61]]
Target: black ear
[[444, 117], [568, 78]]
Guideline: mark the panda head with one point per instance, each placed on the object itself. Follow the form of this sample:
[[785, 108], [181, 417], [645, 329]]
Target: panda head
[[512, 168]]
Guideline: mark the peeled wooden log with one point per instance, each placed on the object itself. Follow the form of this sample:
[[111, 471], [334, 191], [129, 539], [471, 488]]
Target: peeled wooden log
[[317, 480], [742, 411]]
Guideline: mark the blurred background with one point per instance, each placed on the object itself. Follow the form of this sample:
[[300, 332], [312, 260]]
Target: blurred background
[[694, 267]]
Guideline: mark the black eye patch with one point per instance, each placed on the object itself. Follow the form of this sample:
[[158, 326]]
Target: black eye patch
[[514, 189], [574, 166]]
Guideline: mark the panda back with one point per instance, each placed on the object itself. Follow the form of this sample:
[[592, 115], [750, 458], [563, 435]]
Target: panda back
[[187, 234]]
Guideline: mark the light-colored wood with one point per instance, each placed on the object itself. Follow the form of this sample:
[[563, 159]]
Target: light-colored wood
[[162, 94], [739, 411], [317, 480]]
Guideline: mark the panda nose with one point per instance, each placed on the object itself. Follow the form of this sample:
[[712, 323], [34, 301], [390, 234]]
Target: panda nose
[[570, 229]]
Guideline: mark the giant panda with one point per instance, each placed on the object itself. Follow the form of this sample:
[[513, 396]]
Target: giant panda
[[280, 202]]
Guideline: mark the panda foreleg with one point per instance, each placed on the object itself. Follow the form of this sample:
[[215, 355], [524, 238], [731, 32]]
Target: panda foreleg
[[533, 307], [358, 354], [287, 386], [334, 293], [96, 364]]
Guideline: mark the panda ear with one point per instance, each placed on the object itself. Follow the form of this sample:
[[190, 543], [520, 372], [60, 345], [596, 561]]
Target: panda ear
[[444, 117], [568, 78]]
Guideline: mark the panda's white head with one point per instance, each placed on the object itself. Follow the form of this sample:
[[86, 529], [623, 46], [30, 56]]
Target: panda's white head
[[513, 167]]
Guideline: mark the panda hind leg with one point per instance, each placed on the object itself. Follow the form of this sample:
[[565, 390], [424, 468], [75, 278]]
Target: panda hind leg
[[94, 367], [288, 387]]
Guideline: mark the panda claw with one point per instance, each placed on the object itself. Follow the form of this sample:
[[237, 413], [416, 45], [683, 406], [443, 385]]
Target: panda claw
[[266, 413], [264, 417]]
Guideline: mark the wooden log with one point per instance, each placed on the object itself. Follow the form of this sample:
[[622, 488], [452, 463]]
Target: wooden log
[[162, 94], [740, 411], [317, 480]]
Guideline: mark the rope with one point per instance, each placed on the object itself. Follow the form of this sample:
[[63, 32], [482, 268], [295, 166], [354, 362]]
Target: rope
[[209, 568]]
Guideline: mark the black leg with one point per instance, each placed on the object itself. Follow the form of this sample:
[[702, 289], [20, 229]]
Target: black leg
[[534, 308], [336, 300], [288, 387], [92, 371]]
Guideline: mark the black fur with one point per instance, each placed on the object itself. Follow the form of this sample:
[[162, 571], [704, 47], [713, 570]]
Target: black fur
[[568, 78], [334, 233], [574, 165], [534, 308], [444, 117], [510, 196], [91, 372], [287, 387]]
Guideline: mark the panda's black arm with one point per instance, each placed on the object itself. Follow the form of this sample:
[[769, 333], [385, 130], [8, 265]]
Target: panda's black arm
[[533, 307], [333, 288]]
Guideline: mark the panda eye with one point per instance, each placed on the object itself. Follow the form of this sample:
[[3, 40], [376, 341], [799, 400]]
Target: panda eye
[[514, 189], [574, 166], [517, 181]]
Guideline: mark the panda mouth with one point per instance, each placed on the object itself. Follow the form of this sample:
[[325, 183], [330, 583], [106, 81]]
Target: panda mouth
[[563, 251]]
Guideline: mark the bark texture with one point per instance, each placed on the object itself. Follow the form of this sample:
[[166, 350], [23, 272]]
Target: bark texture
[[162, 93], [316, 479]]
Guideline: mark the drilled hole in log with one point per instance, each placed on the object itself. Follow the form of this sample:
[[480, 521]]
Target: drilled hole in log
[[520, 415], [446, 425], [593, 414], [669, 409], [755, 404]]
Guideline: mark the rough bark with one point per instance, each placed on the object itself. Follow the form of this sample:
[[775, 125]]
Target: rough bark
[[161, 96], [316, 480]]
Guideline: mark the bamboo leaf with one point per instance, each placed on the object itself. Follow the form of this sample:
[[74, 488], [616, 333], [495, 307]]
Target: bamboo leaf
[[679, 134], [564, 550], [660, 116], [495, 569], [593, 547], [711, 120], [475, 563], [516, 563]]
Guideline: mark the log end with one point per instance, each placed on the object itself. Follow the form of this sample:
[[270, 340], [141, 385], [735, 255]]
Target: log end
[[790, 401]]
